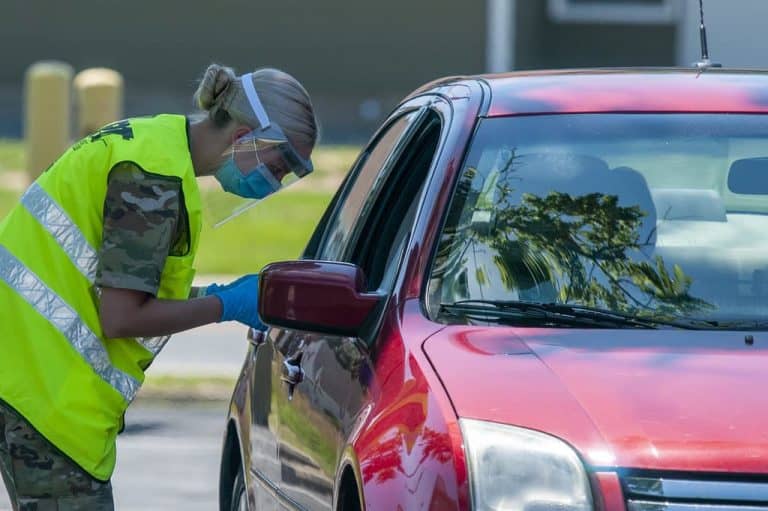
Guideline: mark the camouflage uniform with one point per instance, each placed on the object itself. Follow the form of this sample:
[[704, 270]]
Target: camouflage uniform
[[144, 222], [39, 478]]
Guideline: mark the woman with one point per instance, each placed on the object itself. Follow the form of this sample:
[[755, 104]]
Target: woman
[[96, 262]]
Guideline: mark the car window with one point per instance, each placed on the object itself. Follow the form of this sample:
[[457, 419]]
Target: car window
[[654, 215], [312, 249], [371, 169], [384, 233]]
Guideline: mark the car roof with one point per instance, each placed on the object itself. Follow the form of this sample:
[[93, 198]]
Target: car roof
[[622, 90]]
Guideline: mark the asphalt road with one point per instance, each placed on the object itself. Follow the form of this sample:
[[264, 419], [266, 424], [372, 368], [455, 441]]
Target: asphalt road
[[168, 457], [216, 349]]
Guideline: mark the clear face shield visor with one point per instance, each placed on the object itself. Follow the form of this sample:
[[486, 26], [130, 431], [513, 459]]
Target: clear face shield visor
[[257, 166]]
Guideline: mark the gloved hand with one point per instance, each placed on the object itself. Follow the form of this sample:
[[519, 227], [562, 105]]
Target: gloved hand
[[215, 288], [239, 301]]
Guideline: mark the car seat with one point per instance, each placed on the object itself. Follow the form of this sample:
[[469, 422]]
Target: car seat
[[715, 277], [577, 175], [542, 173], [702, 205]]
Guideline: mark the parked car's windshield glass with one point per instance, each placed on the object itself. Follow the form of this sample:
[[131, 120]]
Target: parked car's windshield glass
[[653, 215]]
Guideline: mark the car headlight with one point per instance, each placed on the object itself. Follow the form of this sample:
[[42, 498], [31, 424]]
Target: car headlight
[[517, 469]]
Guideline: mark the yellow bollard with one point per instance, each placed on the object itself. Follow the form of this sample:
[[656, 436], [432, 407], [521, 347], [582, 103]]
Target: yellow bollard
[[48, 90], [99, 99]]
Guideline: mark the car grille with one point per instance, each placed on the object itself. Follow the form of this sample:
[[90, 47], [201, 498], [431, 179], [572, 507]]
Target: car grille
[[680, 494]]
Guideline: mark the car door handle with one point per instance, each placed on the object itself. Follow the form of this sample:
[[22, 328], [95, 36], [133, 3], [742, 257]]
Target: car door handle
[[256, 337], [293, 374]]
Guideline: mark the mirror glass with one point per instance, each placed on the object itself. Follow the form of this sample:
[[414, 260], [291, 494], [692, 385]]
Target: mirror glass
[[749, 176]]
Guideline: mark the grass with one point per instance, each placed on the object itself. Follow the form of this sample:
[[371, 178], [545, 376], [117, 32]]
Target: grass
[[187, 388], [7, 200], [276, 230], [12, 156]]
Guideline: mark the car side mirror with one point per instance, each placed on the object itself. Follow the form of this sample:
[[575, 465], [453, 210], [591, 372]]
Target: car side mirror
[[316, 296]]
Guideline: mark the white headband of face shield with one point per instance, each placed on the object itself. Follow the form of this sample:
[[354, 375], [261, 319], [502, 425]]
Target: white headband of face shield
[[253, 99]]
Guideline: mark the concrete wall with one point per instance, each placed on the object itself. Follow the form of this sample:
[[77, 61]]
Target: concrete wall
[[346, 53]]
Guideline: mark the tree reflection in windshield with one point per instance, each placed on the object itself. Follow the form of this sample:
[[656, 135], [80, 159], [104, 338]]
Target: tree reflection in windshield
[[562, 238]]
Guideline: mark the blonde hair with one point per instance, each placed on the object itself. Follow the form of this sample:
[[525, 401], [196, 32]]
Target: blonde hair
[[287, 103]]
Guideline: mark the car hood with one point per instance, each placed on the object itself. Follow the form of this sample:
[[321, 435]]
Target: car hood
[[648, 399]]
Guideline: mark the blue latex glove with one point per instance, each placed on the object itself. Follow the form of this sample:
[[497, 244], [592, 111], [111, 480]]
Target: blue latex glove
[[215, 288], [239, 301]]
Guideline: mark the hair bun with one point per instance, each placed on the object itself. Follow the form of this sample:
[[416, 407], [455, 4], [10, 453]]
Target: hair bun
[[213, 86]]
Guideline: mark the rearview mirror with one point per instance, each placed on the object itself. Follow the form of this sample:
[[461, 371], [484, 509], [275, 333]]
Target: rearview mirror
[[316, 296], [749, 176]]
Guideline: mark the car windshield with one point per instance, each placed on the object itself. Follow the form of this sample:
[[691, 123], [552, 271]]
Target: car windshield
[[650, 215]]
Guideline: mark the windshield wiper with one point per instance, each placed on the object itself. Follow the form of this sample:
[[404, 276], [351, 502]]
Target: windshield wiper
[[557, 313]]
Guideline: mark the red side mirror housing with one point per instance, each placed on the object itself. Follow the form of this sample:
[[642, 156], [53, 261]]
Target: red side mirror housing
[[316, 296]]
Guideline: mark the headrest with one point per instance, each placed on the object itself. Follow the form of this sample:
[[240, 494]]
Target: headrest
[[749, 176], [542, 173], [688, 204]]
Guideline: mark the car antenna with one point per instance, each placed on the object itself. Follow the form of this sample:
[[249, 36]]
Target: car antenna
[[704, 63]]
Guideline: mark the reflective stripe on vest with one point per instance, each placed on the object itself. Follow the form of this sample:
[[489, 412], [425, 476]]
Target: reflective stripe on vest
[[69, 237], [66, 320], [56, 221], [154, 344]]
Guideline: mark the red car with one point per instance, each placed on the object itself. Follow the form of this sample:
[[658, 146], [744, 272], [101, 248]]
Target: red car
[[533, 291]]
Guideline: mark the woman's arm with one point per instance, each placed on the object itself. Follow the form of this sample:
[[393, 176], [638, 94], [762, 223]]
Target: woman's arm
[[130, 313], [144, 223]]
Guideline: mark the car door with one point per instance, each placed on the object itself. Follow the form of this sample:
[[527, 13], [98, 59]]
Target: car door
[[269, 397], [369, 226]]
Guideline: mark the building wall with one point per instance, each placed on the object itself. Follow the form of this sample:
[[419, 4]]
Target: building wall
[[735, 30], [543, 43], [357, 59], [346, 53]]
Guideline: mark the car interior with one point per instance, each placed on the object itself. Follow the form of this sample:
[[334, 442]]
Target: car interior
[[394, 212], [716, 244]]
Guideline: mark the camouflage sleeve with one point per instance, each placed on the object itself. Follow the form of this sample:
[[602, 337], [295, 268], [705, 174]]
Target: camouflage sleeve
[[197, 292], [141, 214]]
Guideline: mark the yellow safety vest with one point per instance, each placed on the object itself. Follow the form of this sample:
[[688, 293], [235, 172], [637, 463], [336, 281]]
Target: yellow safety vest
[[57, 369]]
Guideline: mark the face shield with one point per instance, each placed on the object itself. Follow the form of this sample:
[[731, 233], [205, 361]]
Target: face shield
[[258, 165]]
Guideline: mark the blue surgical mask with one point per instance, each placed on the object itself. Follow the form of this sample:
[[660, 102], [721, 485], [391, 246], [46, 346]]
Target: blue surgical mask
[[256, 185]]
